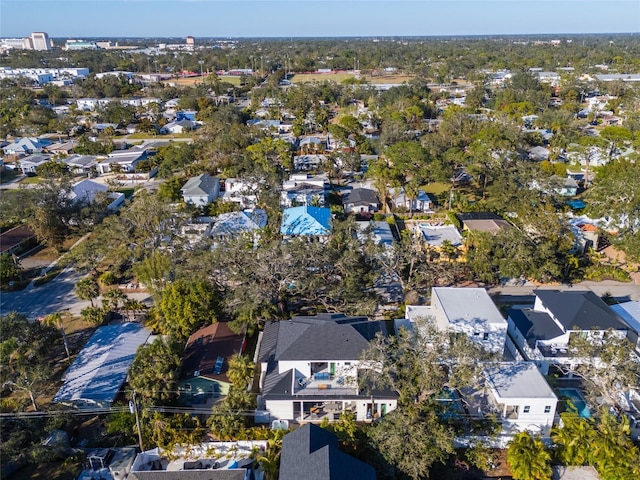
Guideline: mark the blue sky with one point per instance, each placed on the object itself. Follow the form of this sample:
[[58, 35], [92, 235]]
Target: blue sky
[[302, 18]]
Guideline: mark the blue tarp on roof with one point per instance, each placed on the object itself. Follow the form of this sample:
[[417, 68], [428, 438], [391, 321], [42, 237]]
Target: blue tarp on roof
[[102, 366], [306, 220]]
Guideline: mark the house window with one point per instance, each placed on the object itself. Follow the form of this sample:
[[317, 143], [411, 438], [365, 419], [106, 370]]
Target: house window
[[485, 336], [547, 409], [476, 334], [527, 408], [347, 364]]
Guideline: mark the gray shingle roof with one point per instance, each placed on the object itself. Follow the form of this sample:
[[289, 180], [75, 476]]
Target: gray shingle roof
[[535, 325], [323, 338], [203, 184], [312, 453], [580, 309], [360, 196], [236, 474]]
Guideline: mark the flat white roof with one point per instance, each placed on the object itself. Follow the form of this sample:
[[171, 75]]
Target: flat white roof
[[434, 235], [519, 380], [470, 304]]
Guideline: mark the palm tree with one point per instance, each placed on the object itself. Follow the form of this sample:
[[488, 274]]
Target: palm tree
[[113, 298], [131, 306], [55, 320], [528, 458], [271, 458], [87, 289]]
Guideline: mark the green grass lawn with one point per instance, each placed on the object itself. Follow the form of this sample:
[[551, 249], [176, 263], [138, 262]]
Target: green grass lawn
[[31, 180], [436, 188], [320, 77]]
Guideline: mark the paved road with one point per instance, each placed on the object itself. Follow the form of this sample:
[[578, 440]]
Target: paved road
[[34, 302], [524, 294], [56, 296]]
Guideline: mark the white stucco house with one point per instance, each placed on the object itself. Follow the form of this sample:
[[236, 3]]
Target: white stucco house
[[242, 192], [201, 190], [86, 191], [518, 394], [463, 310], [310, 368]]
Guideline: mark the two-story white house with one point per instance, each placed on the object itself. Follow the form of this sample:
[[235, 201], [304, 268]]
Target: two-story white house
[[309, 369], [543, 333], [464, 310], [303, 189], [518, 394], [242, 192]]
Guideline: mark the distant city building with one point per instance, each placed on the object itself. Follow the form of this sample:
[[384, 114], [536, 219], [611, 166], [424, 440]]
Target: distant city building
[[40, 41], [13, 44], [191, 42], [44, 75], [80, 45]]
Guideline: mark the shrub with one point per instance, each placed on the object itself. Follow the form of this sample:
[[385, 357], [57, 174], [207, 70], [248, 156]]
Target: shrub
[[600, 272], [108, 278]]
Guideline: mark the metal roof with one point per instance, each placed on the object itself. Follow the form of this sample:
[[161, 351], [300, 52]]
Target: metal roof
[[468, 304], [306, 220], [101, 368], [630, 313], [519, 380]]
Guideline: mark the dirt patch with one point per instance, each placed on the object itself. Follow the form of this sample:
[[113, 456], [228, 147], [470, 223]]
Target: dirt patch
[[190, 81]]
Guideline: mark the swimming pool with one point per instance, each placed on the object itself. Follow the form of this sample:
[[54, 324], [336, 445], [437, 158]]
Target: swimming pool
[[578, 401]]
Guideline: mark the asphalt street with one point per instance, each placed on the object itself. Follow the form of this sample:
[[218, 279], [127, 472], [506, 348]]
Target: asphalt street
[[56, 296]]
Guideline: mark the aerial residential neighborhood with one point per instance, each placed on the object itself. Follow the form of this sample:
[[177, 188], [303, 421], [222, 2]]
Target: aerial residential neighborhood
[[319, 258]]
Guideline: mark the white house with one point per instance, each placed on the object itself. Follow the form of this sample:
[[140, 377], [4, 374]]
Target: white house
[[308, 162], [201, 190], [435, 235], [630, 314], [240, 191], [123, 160], [235, 224], [465, 310], [91, 104], [29, 163], [423, 202], [360, 200], [542, 333], [80, 164], [179, 126], [303, 189], [521, 398], [26, 145], [309, 369], [86, 192]]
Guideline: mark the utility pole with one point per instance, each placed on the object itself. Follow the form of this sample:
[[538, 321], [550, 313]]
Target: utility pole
[[133, 408]]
